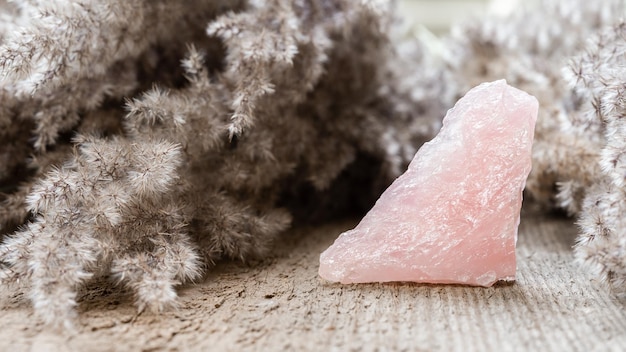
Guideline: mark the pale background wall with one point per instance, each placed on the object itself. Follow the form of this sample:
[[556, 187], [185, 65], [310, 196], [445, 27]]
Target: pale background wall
[[437, 15]]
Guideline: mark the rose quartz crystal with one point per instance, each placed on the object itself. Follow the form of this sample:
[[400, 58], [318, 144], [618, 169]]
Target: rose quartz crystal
[[452, 217]]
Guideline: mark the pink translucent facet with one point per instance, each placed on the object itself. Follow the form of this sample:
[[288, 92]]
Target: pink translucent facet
[[452, 217]]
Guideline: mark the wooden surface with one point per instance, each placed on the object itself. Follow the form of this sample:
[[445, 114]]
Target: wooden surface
[[281, 304]]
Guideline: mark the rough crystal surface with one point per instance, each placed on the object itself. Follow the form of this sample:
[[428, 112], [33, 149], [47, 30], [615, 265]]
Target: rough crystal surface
[[453, 216]]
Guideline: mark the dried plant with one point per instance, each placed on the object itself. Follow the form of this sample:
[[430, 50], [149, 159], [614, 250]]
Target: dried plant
[[285, 108], [597, 76], [53, 71]]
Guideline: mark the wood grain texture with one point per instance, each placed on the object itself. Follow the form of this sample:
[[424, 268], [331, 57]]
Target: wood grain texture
[[281, 304]]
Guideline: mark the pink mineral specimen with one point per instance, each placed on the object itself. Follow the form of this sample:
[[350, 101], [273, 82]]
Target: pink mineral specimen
[[452, 217]]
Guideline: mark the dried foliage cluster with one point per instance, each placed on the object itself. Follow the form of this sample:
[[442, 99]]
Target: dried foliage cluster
[[143, 141], [597, 193], [572, 56]]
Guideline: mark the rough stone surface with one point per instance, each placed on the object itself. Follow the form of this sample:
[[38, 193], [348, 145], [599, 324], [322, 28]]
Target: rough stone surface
[[453, 216]]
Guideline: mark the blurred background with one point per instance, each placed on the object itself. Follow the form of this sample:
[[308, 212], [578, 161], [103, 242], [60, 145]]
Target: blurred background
[[438, 15]]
